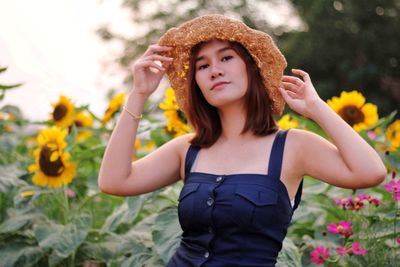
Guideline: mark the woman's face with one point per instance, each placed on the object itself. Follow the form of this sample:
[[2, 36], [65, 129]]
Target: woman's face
[[218, 63]]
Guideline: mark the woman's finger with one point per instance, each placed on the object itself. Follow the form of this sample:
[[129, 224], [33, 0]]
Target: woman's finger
[[303, 74], [291, 87], [292, 95], [155, 48], [149, 63], [287, 95], [292, 79], [159, 57]]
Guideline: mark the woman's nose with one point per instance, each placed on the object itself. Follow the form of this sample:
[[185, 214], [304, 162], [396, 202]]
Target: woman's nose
[[216, 71]]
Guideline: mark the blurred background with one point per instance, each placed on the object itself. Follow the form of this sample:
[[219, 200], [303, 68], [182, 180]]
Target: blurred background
[[82, 49]]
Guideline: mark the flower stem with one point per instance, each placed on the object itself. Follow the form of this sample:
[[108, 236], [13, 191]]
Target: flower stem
[[87, 199], [395, 234], [66, 205]]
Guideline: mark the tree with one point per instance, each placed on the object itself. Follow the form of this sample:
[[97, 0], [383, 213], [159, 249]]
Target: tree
[[349, 45]]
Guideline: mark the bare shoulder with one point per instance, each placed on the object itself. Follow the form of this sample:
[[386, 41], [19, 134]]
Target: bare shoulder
[[183, 142], [301, 144], [299, 138], [182, 145], [293, 148]]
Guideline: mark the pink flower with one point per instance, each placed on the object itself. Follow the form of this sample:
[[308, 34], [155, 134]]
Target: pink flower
[[343, 202], [371, 135], [393, 186], [398, 241], [374, 200], [70, 193], [355, 248], [356, 203], [362, 196], [343, 250], [319, 254], [341, 228]]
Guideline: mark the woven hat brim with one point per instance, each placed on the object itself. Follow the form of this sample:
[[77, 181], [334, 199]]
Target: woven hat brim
[[270, 61]]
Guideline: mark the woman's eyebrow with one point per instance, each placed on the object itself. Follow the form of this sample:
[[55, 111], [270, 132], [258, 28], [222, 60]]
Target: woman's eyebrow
[[219, 51]]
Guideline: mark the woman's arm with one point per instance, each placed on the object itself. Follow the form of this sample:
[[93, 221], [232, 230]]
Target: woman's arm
[[350, 162], [118, 174], [117, 159], [360, 158]]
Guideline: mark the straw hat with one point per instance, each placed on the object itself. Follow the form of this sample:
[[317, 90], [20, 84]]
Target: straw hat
[[260, 45]]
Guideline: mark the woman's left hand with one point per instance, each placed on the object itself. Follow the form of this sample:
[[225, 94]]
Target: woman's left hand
[[299, 94]]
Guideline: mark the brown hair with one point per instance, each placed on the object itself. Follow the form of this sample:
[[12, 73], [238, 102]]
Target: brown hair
[[205, 118]]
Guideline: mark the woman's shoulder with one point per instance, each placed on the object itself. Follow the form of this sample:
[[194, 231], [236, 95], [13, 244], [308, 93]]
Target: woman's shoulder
[[182, 143], [295, 139], [300, 136]]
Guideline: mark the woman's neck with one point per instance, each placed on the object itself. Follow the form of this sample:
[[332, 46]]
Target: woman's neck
[[233, 119]]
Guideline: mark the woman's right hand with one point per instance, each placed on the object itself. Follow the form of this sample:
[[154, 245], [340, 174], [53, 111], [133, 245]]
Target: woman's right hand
[[146, 81]]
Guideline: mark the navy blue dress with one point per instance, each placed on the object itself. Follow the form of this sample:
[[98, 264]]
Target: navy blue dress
[[236, 219]]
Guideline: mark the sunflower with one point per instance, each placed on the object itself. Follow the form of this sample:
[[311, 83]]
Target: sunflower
[[82, 120], [149, 146], [174, 115], [287, 122], [52, 167], [63, 113], [352, 108], [392, 134], [114, 106]]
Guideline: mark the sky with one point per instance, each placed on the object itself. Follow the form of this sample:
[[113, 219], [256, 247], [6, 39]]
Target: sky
[[51, 46]]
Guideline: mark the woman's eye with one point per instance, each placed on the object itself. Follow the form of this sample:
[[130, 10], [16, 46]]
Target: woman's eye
[[202, 66], [227, 57]]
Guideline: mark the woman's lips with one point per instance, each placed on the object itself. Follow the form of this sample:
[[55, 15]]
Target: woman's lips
[[219, 85]]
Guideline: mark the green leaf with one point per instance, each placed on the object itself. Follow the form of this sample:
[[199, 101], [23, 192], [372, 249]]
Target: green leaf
[[18, 253], [140, 254], [9, 177], [8, 87], [289, 256], [124, 214], [166, 233], [62, 240], [315, 187], [16, 222], [71, 138], [383, 122], [159, 137], [106, 247]]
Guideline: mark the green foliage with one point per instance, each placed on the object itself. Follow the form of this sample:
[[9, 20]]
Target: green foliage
[[348, 45], [52, 228]]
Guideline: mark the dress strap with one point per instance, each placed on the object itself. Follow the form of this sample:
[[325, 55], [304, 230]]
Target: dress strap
[[297, 198], [191, 155], [276, 156]]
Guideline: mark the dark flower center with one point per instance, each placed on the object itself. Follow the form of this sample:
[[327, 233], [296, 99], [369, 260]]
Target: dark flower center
[[78, 123], [351, 114], [59, 112], [49, 168]]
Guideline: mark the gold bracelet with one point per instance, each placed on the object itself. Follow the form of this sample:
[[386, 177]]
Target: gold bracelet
[[137, 117]]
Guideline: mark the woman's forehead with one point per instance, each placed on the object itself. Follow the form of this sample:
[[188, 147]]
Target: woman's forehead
[[214, 43], [212, 47]]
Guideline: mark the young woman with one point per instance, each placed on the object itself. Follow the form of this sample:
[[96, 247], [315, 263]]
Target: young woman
[[242, 174]]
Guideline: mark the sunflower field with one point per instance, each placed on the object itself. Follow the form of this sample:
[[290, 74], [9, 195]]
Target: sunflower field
[[52, 212]]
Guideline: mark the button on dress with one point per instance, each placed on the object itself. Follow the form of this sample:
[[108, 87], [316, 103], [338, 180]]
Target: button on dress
[[235, 219]]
